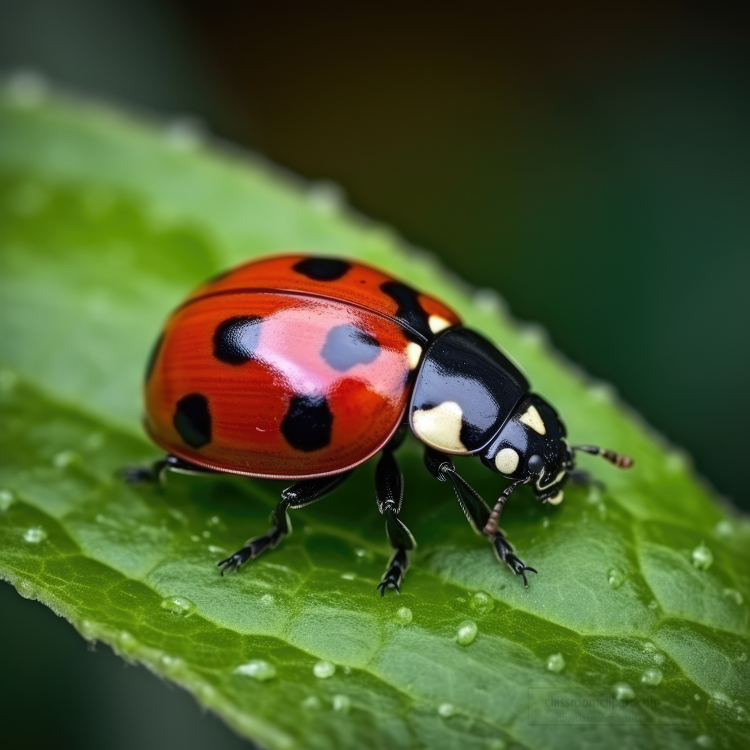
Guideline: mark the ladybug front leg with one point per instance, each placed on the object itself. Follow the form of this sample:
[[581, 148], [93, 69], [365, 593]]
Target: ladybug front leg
[[476, 510], [389, 492], [297, 496]]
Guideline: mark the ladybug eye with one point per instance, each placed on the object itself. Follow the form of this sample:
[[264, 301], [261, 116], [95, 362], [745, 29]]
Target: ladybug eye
[[535, 464]]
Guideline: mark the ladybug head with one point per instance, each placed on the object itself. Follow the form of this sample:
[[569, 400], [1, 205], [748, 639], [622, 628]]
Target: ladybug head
[[532, 445]]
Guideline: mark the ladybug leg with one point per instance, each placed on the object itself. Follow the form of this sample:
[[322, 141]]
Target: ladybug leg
[[475, 509], [297, 496], [389, 493], [157, 472]]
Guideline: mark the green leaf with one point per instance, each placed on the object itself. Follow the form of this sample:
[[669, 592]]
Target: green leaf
[[105, 224]]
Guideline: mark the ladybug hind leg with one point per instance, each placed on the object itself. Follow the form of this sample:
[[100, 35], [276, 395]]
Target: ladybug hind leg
[[297, 496], [476, 510], [157, 472]]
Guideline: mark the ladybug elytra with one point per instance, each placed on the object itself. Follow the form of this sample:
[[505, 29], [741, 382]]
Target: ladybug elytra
[[301, 368]]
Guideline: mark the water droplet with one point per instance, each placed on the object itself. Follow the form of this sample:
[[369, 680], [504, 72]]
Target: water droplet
[[63, 459], [6, 500], [178, 605], [623, 692], [349, 576], [326, 196], [482, 603], [312, 702], [214, 521], [214, 550], [653, 604], [206, 534], [545, 522], [324, 669], [342, 703], [702, 557], [488, 301], [734, 595], [25, 589], [347, 670], [615, 578], [87, 629], [556, 663], [697, 696], [184, 133], [360, 552], [602, 393], [267, 599], [677, 462], [258, 669], [704, 740], [533, 335], [34, 535], [652, 677], [404, 615], [724, 529], [178, 515], [126, 642], [658, 658], [172, 663], [467, 633], [25, 89], [195, 538], [446, 710]]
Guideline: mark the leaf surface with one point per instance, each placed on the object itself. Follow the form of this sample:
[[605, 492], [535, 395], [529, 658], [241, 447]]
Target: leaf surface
[[105, 224]]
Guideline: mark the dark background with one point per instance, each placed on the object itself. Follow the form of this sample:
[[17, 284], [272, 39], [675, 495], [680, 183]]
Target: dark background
[[590, 161]]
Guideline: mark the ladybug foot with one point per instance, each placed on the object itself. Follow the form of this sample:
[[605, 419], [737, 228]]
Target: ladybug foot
[[394, 576], [137, 475], [505, 553], [251, 550]]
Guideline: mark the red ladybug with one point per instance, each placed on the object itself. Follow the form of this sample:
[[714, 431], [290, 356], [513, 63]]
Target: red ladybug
[[301, 368]]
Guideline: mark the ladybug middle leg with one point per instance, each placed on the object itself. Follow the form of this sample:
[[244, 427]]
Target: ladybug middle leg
[[297, 496], [475, 509], [389, 494]]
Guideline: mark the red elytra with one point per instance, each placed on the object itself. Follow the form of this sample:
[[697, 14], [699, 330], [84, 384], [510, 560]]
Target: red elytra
[[288, 367]]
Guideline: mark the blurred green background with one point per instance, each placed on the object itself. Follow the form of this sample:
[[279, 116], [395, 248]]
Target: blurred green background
[[590, 161]]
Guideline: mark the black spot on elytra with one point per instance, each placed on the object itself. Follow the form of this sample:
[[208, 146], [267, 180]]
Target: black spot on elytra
[[192, 420], [347, 346], [236, 339], [307, 424], [409, 310], [153, 357], [322, 269]]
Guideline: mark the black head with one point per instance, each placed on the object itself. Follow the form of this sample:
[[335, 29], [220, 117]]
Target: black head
[[532, 443]]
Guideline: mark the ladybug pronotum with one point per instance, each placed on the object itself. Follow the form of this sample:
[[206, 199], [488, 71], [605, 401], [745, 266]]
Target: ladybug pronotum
[[301, 368]]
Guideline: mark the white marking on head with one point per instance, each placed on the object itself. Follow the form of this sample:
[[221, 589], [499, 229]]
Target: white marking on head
[[556, 499], [413, 354], [533, 419], [438, 323], [440, 427], [506, 461]]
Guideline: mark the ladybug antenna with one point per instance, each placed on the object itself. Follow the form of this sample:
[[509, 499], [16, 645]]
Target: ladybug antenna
[[620, 460]]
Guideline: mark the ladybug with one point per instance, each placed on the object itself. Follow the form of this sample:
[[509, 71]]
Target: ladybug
[[300, 368]]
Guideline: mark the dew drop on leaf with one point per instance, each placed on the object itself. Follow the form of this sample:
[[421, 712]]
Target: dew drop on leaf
[[184, 134], [178, 605], [652, 677], [324, 669], [63, 459], [734, 595], [724, 529], [446, 710], [482, 603], [702, 557], [704, 740], [6, 500], [342, 703], [34, 535], [348, 576], [258, 669], [404, 615], [267, 599], [126, 642], [467, 633], [556, 663], [615, 578], [623, 692], [25, 589], [312, 702], [172, 664]]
